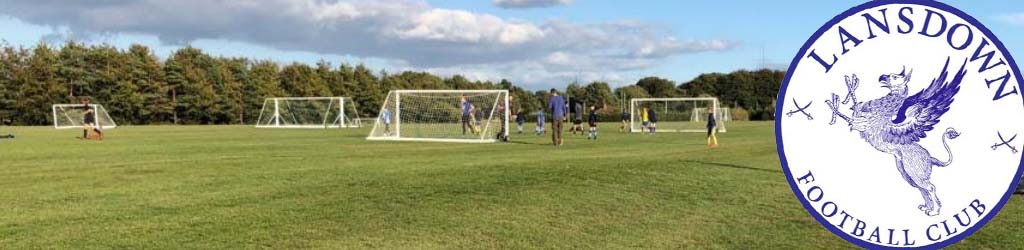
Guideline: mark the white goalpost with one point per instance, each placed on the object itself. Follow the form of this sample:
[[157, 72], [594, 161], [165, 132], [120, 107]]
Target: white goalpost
[[69, 116], [308, 112], [440, 116], [682, 114]]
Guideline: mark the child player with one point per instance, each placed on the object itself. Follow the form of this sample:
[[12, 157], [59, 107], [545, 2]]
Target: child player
[[576, 117], [644, 120], [592, 121], [520, 119], [89, 121], [625, 122], [712, 129], [540, 123]]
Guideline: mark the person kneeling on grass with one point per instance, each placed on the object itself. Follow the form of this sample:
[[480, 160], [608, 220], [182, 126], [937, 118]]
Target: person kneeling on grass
[[89, 121], [592, 121], [712, 129]]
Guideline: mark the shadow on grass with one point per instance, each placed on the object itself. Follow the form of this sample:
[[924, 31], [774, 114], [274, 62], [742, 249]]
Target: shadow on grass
[[727, 165], [526, 143]]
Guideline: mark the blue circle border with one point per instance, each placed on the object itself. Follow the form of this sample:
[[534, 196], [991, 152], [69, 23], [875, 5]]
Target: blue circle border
[[781, 100]]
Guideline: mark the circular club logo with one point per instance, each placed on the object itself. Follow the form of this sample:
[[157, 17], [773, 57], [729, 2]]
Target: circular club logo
[[898, 122]]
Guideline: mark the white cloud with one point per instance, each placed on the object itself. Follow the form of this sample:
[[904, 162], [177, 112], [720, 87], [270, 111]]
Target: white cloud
[[412, 32], [523, 4]]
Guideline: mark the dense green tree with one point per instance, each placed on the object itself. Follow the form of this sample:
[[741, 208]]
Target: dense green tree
[[300, 80], [191, 87], [265, 82], [230, 77], [73, 71], [13, 77], [146, 73], [600, 95], [370, 95], [658, 87], [192, 92], [574, 91], [40, 88]]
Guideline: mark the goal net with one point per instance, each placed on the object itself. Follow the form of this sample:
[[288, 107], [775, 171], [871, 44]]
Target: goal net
[[686, 114], [68, 116], [442, 115], [308, 112]]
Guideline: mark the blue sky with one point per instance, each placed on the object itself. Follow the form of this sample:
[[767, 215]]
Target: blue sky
[[549, 44]]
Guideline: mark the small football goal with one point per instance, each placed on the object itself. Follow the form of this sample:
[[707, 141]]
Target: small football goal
[[69, 116], [443, 116], [683, 114], [308, 112]]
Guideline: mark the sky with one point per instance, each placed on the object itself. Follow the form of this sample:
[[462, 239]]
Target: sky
[[537, 44]]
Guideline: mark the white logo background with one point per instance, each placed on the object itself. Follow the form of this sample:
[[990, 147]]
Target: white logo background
[[865, 182]]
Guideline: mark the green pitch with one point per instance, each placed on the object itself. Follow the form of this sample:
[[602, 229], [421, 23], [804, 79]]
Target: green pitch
[[235, 187]]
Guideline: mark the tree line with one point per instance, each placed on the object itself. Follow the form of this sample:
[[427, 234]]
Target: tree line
[[192, 87]]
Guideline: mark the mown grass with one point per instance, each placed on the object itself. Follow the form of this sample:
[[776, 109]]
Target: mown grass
[[235, 187]]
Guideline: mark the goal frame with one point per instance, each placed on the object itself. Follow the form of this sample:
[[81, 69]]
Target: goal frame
[[484, 138], [714, 102], [337, 122], [97, 110]]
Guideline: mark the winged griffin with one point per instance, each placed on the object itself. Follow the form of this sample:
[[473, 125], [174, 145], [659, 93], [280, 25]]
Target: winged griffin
[[896, 122]]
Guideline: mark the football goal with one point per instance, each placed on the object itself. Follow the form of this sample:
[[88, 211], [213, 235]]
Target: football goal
[[443, 116], [684, 114], [68, 116], [308, 112]]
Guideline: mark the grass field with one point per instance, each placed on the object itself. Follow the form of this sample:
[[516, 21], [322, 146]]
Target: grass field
[[235, 187]]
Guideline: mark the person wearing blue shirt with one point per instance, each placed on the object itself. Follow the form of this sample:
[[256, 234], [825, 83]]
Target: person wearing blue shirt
[[592, 121], [540, 123], [557, 106], [385, 118], [712, 129], [467, 115]]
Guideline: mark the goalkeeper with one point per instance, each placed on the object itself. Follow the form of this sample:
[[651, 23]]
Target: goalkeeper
[[89, 121], [385, 117]]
